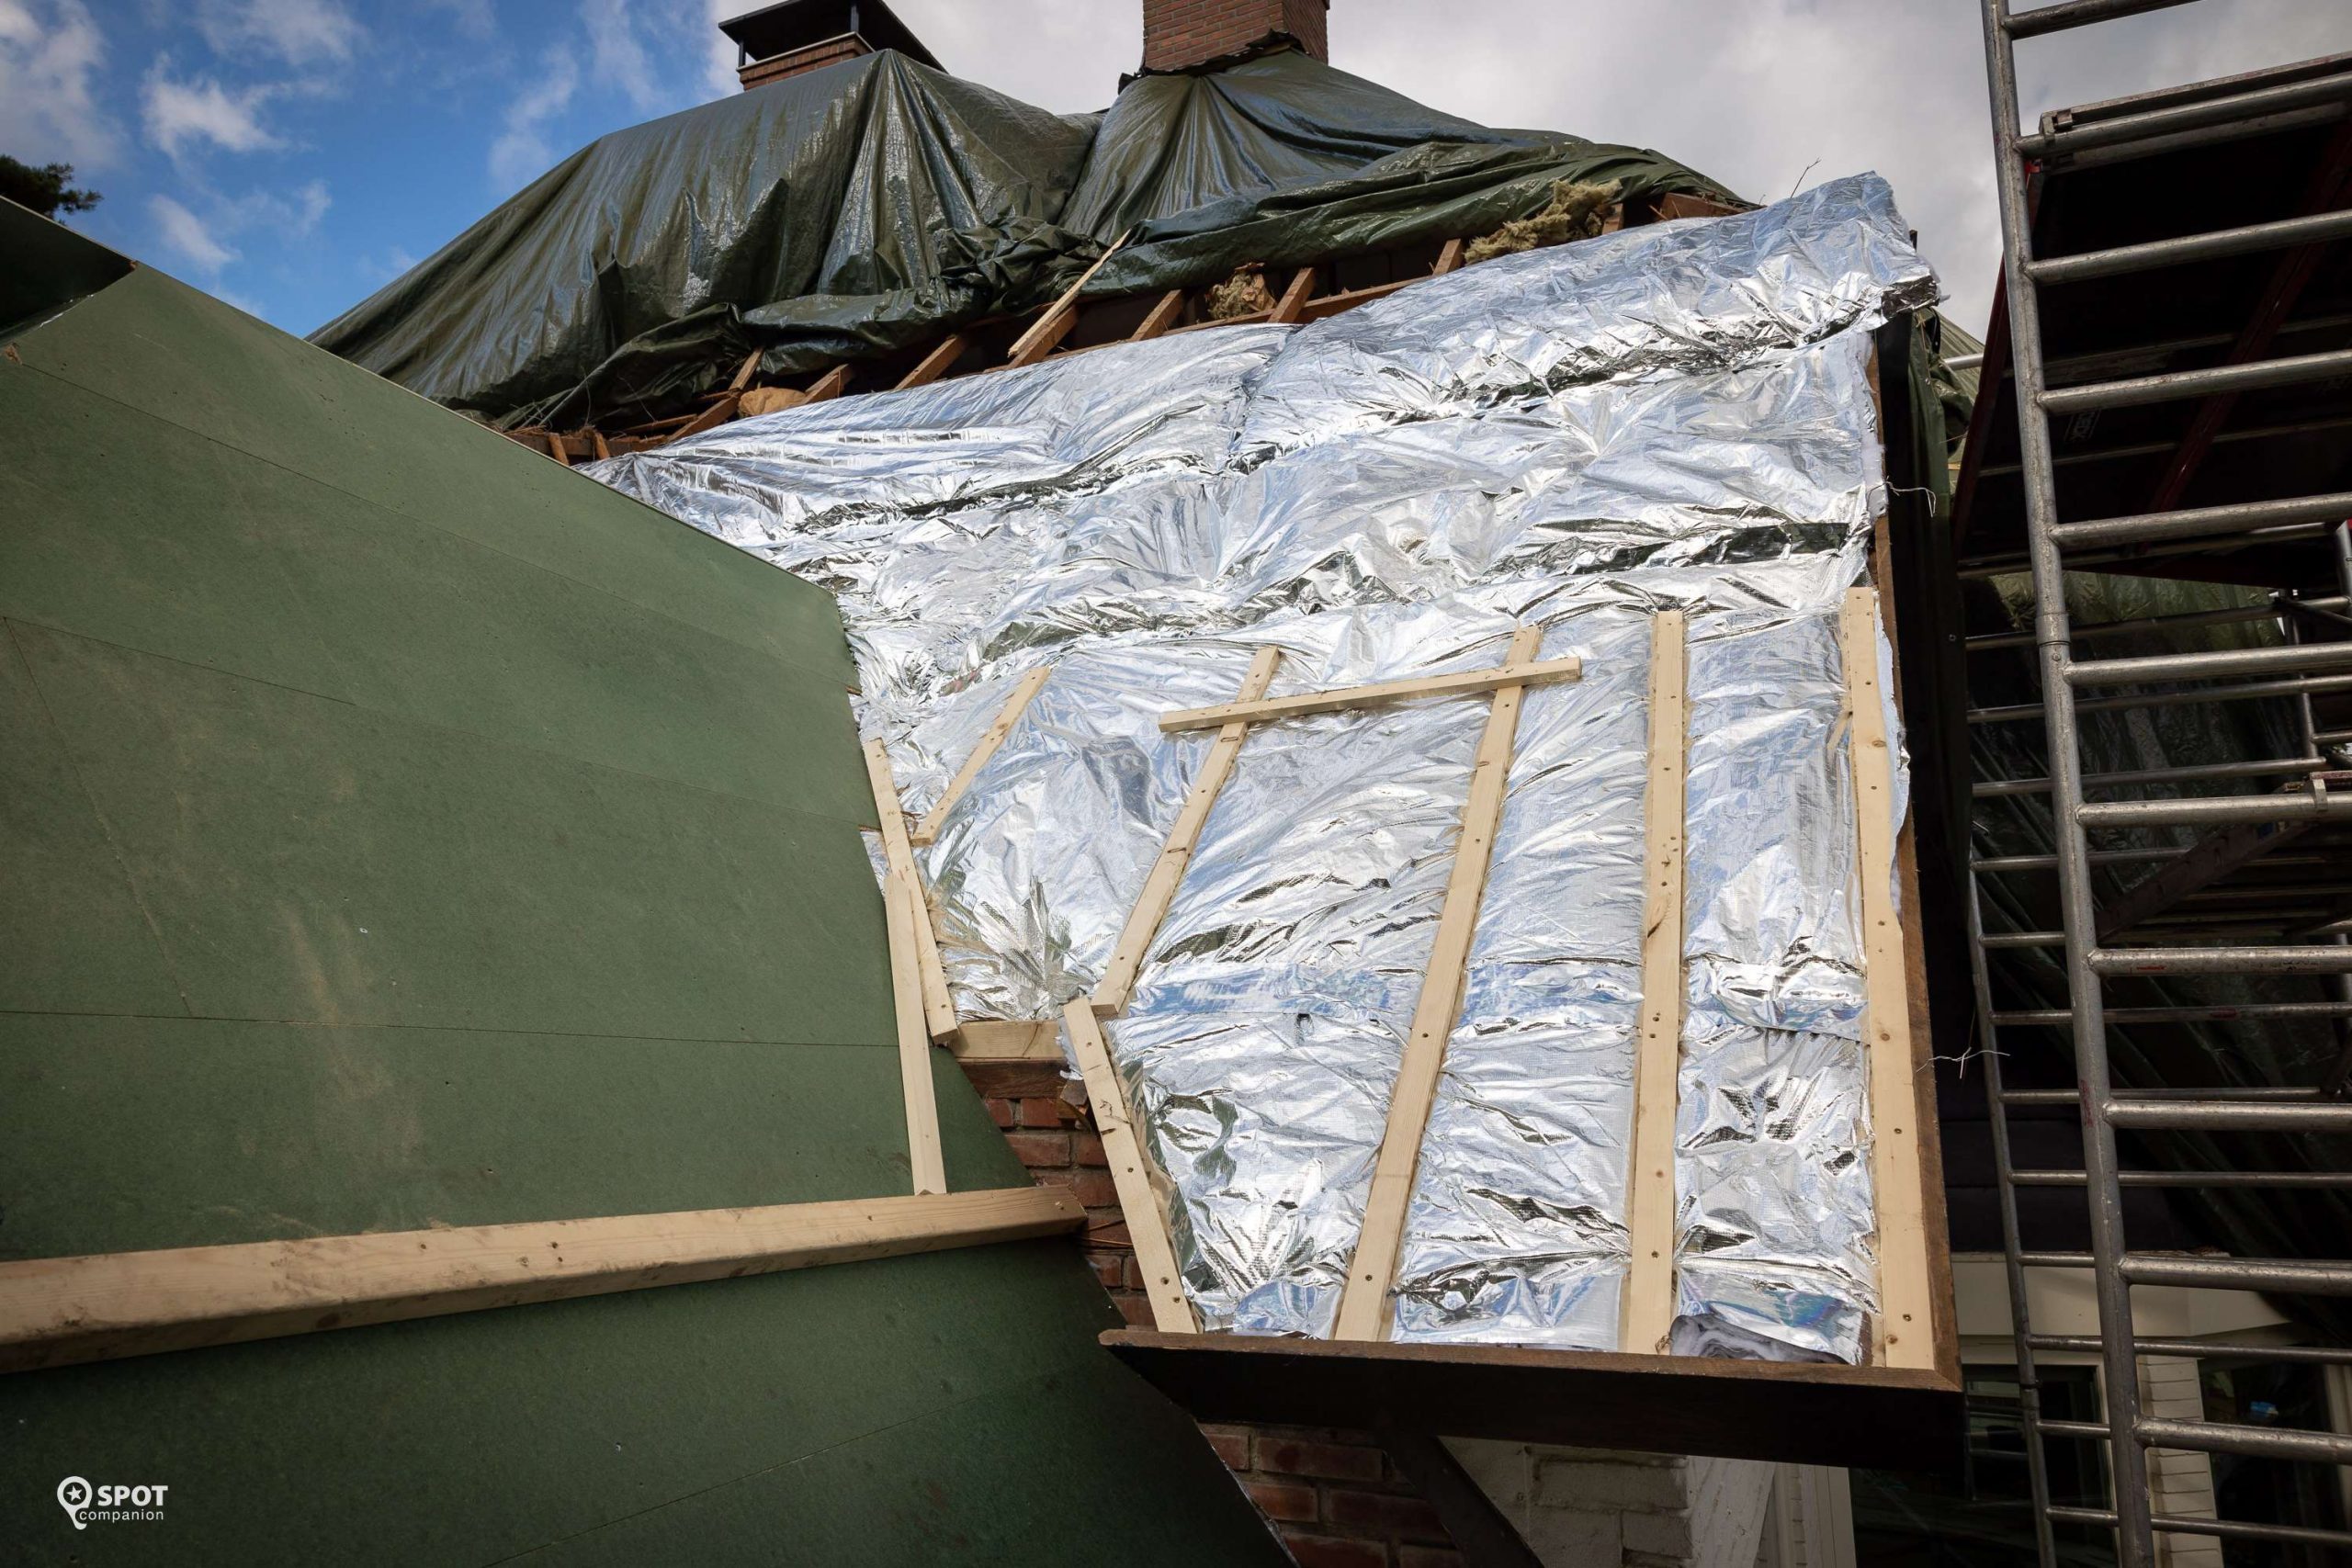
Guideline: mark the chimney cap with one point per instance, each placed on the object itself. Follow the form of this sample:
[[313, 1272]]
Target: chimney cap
[[796, 24]]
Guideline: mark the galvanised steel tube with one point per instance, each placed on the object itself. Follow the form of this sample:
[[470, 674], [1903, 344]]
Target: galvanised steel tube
[[2280, 960], [2317, 228], [2207, 136], [2220, 1014], [2012, 1238], [2209, 664], [2080, 13], [2206, 1350], [2098, 857], [2151, 623], [2197, 521], [2291, 1276], [2195, 774], [2127, 1468], [2261, 1442], [2287, 688], [2241, 1116], [2314, 1180], [2313, 92], [2292, 532], [2251, 376], [2227, 1530], [2217, 808]]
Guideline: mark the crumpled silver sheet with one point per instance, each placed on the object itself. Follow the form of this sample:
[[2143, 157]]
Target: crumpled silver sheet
[[1710, 444], [1692, 296]]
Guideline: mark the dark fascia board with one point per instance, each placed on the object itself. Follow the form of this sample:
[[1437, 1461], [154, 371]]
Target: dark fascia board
[[1792, 1413], [796, 23]]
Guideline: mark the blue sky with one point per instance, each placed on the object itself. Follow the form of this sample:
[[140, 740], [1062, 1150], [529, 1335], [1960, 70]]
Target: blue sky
[[294, 155]]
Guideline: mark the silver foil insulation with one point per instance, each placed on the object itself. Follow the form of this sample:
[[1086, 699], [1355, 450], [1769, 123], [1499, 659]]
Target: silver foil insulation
[[1675, 416]]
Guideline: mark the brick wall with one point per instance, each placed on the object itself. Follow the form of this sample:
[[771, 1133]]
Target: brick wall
[[776, 67], [1180, 33], [1333, 1497]]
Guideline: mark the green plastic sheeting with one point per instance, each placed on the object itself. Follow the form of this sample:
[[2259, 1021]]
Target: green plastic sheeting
[[401, 830], [875, 203]]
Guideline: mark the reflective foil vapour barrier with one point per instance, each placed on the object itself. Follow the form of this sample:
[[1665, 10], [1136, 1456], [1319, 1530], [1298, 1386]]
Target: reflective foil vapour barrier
[[1673, 416]]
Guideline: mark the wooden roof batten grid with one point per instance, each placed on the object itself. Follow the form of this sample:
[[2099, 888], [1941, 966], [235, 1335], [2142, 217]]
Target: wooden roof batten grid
[[1045, 336]]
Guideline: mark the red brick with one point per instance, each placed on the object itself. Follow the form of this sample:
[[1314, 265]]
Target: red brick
[[1109, 1268], [999, 1112], [1283, 1501], [1043, 1113], [1040, 1149], [1135, 1309], [1405, 1517], [1093, 1187], [1429, 1557], [1231, 1443], [1321, 1551], [1132, 1276], [1086, 1148], [1329, 1461]]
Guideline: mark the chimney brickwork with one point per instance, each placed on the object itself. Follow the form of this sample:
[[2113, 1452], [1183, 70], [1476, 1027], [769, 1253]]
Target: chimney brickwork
[[1178, 34]]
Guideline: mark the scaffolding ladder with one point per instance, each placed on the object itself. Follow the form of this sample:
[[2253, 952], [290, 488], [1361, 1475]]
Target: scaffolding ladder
[[2313, 793]]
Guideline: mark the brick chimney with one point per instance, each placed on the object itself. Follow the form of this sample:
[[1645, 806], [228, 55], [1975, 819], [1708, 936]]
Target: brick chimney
[[1181, 34], [787, 39]]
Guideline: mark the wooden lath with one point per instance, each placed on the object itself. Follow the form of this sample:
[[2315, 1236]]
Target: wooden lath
[[1904, 1325], [1133, 1175], [898, 851], [1167, 872], [1363, 1302], [57, 1312], [1647, 1312], [903, 908], [927, 831]]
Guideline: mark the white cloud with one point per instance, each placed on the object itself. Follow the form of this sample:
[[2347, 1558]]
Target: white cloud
[[178, 113], [719, 78], [204, 238], [300, 32], [187, 235], [49, 60], [521, 153], [616, 58]]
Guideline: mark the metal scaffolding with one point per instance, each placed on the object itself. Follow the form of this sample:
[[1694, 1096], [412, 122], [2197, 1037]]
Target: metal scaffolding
[[2187, 918]]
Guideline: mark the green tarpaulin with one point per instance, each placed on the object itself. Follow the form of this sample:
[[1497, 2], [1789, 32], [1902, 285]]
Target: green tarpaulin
[[872, 204]]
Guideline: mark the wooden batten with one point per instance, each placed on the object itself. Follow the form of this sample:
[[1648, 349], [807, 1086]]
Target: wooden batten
[[1647, 1309], [1006, 1040], [899, 853], [59, 1311], [1007, 716], [1364, 1302], [902, 906], [1164, 314], [1468, 683], [1904, 1328], [1062, 314], [1159, 884], [937, 363], [1132, 1174], [1448, 258], [1292, 306], [829, 386]]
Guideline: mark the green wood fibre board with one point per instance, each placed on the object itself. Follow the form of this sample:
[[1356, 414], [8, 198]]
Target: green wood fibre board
[[399, 830]]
